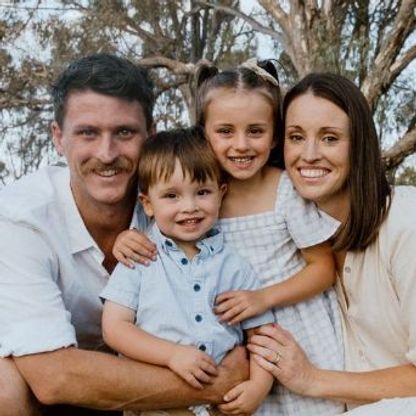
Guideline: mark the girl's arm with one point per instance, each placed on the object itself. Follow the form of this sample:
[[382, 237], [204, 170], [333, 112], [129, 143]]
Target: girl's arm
[[299, 375], [318, 275], [134, 246], [246, 397], [121, 334]]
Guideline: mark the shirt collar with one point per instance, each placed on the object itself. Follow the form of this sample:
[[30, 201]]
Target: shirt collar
[[210, 245]]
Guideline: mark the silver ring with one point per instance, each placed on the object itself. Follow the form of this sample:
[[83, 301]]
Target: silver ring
[[276, 358]]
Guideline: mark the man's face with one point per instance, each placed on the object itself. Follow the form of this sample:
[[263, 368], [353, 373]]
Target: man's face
[[101, 138]]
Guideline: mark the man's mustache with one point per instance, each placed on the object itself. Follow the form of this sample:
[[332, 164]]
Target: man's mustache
[[95, 165]]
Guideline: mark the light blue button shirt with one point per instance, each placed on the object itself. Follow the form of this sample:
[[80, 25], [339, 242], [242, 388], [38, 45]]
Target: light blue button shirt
[[174, 297]]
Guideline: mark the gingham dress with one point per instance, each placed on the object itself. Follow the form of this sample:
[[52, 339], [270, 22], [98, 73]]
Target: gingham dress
[[271, 242]]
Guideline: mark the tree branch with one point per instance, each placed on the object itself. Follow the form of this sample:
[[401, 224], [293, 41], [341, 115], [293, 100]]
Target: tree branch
[[394, 156], [402, 61], [176, 67], [252, 22]]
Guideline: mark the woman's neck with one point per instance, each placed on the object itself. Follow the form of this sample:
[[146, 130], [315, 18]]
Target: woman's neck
[[337, 207]]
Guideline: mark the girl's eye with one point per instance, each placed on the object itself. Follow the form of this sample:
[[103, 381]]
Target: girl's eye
[[255, 131], [224, 131]]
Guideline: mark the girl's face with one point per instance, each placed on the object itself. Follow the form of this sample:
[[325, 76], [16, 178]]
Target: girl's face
[[317, 142], [239, 126]]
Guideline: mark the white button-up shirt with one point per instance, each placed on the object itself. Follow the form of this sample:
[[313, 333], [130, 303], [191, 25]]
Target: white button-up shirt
[[51, 270]]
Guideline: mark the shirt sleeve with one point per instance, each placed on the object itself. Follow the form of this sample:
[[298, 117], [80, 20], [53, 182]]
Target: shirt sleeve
[[123, 287], [33, 316], [307, 225], [249, 281], [403, 265]]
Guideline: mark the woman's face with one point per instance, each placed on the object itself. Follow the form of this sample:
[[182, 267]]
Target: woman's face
[[317, 143]]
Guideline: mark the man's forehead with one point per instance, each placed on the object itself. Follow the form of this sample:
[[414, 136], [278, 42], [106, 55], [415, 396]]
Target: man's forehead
[[88, 104]]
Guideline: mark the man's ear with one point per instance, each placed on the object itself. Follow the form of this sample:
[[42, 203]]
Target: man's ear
[[57, 138], [147, 205]]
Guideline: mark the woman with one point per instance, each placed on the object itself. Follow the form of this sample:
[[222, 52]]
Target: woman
[[333, 158]]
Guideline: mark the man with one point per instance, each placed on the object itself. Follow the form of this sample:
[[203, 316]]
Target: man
[[57, 230]]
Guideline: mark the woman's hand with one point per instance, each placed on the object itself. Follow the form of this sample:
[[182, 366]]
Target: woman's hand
[[134, 246], [276, 351]]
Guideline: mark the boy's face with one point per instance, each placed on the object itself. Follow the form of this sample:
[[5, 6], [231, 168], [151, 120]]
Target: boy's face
[[183, 210]]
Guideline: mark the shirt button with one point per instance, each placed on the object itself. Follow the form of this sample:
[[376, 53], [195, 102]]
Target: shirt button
[[169, 243], [198, 318], [202, 347], [184, 261], [211, 248], [347, 269], [197, 287]]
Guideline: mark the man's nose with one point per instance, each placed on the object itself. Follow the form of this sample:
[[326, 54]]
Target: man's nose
[[107, 149]]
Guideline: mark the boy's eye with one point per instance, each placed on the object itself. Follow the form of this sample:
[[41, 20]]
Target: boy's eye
[[169, 195], [204, 192]]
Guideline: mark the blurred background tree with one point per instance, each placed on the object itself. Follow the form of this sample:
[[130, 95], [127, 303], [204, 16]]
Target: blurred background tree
[[372, 43]]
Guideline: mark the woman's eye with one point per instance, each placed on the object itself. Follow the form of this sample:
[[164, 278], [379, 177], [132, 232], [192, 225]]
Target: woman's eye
[[295, 138], [330, 139]]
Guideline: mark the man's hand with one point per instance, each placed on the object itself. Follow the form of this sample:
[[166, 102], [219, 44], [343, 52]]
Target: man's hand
[[193, 365], [233, 370]]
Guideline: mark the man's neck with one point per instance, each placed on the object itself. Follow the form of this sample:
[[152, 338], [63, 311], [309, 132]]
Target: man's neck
[[105, 223]]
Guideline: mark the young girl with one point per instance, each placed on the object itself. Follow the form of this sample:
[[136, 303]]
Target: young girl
[[264, 218]]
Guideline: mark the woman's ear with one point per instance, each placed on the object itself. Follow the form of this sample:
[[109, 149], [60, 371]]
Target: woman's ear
[[147, 205]]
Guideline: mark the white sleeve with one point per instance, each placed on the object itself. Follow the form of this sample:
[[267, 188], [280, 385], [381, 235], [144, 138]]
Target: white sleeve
[[403, 271], [307, 225], [33, 317]]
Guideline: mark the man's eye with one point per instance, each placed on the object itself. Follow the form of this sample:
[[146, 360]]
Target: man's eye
[[125, 132], [86, 132]]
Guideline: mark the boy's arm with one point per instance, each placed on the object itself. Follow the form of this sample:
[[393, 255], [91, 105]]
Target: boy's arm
[[318, 275], [246, 397], [121, 334], [104, 381]]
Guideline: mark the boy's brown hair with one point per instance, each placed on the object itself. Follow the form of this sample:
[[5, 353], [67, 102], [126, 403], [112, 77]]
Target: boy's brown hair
[[187, 145]]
